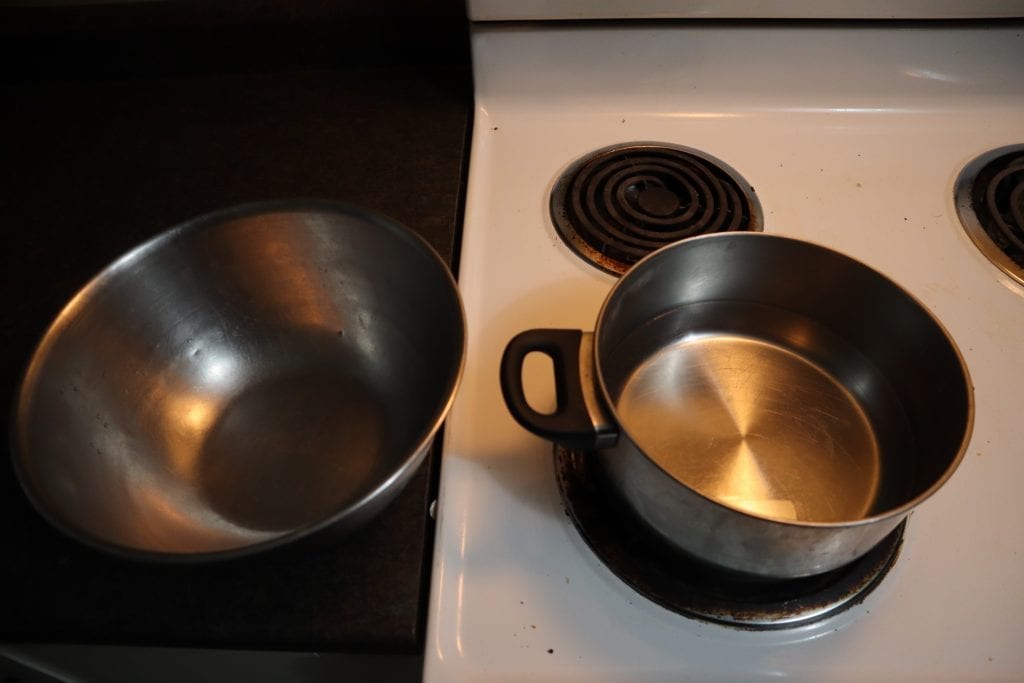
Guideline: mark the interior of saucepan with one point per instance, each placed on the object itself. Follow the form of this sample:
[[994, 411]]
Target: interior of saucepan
[[783, 379], [238, 380]]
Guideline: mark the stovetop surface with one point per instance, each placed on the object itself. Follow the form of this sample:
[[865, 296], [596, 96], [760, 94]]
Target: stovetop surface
[[853, 137]]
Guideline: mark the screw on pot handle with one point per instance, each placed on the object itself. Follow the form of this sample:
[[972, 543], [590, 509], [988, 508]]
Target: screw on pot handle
[[579, 421]]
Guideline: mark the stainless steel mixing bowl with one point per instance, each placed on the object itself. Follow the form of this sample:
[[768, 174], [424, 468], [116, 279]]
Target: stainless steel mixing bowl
[[240, 381]]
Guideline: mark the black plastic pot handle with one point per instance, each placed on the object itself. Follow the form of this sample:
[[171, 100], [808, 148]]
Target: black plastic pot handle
[[571, 425]]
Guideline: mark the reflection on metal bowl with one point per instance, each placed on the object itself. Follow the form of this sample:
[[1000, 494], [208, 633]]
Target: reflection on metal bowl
[[240, 381]]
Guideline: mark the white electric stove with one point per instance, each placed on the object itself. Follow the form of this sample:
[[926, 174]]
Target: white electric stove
[[852, 135]]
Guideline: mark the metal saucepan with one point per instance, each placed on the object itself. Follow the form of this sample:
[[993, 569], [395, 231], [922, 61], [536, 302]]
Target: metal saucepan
[[765, 404], [241, 381]]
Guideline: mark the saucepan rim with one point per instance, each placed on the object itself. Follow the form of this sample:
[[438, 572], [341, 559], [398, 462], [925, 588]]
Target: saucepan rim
[[650, 262]]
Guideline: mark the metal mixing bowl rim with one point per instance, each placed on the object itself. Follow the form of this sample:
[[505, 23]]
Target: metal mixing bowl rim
[[899, 511], [18, 437]]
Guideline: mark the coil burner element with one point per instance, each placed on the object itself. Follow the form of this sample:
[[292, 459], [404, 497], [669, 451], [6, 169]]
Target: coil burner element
[[685, 585], [617, 205], [990, 202]]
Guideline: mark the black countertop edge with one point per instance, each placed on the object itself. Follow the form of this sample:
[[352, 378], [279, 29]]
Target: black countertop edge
[[63, 16], [178, 48], [434, 472]]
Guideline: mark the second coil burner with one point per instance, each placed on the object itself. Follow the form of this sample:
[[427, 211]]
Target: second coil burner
[[617, 205], [990, 203]]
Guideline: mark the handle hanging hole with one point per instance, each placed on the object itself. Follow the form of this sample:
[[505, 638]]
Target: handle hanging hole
[[539, 383]]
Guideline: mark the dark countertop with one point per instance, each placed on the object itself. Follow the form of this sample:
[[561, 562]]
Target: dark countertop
[[120, 136]]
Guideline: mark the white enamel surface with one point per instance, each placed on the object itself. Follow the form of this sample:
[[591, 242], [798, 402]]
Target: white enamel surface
[[491, 10], [852, 138]]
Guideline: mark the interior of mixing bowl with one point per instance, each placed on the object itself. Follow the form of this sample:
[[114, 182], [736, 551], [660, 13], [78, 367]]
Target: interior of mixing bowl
[[242, 379], [783, 379]]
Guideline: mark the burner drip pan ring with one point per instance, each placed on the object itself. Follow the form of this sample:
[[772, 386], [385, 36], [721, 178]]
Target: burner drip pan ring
[[692, 588], [989, 198]]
